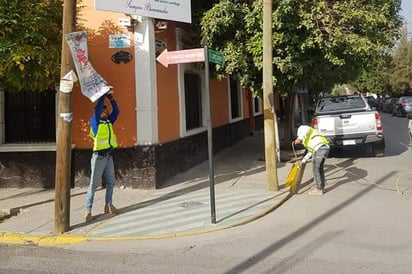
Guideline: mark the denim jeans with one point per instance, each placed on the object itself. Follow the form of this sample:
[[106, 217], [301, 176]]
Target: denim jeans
[[318, 163], [101, 166]]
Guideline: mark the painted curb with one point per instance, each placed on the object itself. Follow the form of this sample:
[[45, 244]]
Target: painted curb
[[44, 240], [68, 239]]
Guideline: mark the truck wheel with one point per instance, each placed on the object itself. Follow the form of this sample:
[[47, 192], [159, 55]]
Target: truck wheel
[[378, 150]]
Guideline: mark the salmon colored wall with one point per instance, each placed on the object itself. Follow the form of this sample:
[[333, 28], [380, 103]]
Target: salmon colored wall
[[168, 91], [219, 102], [246, 101], [99, 25]]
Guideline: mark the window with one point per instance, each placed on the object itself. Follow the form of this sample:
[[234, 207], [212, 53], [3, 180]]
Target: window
[[30, 117], [257, 105], [235, 98], [193, 100], [191, 90]]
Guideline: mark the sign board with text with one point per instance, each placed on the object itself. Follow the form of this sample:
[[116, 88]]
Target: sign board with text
[[181, 56], [216, 57], [174, 10], [119, 41]]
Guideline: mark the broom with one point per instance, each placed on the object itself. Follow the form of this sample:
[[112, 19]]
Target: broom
[[295, 173]]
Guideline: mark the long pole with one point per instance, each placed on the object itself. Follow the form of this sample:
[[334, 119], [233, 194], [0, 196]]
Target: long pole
[[210, 139], [64, 127], [269, 113]]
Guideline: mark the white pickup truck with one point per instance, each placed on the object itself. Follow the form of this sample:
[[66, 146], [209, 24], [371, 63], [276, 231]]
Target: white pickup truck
[[349, 121]]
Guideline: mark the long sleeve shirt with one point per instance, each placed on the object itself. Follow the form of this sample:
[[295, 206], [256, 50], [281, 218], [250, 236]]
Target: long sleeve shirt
[[95, 119]]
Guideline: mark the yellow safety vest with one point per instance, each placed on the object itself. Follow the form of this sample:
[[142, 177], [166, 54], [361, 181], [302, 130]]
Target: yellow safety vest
[[105, 137], [313, 138]]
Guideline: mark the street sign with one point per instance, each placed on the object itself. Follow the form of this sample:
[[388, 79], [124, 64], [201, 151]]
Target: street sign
[[176, 10], [207, 56], [181, 56], [216, 57]]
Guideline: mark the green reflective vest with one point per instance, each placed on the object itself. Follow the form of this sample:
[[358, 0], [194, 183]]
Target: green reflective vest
[[105, 137], [313, 139]]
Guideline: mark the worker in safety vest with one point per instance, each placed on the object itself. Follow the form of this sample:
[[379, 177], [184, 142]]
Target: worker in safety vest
[[317, 148], [104, 141]]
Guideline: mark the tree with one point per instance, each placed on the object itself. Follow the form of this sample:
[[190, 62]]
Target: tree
[[401, 72], [374, 77], [315, 43], [30, 44]]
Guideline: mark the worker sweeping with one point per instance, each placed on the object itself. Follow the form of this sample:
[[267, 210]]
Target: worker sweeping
[[317, 148]]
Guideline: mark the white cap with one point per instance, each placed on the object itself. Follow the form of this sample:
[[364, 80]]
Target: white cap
[[302, 131]]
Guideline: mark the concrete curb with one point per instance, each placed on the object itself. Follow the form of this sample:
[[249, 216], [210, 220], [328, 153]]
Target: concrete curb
[[69, 239]]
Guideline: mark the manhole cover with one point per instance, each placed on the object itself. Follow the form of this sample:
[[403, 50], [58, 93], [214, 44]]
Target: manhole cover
[[191, 204]]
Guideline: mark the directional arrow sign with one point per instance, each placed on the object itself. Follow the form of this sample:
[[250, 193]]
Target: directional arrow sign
[[181, 56]]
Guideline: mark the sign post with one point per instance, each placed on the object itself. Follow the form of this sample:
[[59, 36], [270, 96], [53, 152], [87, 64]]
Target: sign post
[[210, 139], [200, 55]]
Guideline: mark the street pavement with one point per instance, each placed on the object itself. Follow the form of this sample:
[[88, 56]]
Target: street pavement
[[182, 207]]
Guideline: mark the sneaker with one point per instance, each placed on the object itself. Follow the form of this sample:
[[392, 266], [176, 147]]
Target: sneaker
[[88, 217], [110, 209], [316, 192]]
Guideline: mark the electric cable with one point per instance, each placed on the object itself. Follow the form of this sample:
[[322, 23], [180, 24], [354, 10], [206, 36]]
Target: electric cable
[[406, 190], [401, 192]]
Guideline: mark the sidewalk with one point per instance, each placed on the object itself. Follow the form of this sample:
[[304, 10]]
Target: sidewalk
[[182, 207]]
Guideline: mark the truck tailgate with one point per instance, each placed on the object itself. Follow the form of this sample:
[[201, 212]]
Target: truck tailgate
[[346, 124]]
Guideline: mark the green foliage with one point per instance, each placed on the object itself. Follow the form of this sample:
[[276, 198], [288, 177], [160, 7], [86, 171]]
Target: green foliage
[[315, 43], [374, 77], [30, 44], [340, 90], [401, 67]]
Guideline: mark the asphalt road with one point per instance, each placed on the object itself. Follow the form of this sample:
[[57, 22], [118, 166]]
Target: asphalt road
[[362, 225]]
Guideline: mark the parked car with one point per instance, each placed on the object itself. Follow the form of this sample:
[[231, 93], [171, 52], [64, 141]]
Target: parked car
[[388, 104], [349, 121], [379, 103], [371, 101], [403, 106]]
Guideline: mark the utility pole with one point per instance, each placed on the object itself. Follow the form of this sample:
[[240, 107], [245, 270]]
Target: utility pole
[[269, 113], [64, 128]]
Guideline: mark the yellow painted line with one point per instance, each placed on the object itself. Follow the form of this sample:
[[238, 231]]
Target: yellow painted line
[[17, 238]]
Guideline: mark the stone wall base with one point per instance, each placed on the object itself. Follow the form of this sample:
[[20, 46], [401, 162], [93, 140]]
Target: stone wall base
[[141, 167]]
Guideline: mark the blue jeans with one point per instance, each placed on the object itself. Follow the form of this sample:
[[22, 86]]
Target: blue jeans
[[101, 166], [318, 163]]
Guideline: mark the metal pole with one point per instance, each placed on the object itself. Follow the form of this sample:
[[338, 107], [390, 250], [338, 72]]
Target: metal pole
[[64, 126], [210, 138]]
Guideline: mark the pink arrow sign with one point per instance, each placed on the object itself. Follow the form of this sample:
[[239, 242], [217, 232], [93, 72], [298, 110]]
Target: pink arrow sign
[[181, 56]]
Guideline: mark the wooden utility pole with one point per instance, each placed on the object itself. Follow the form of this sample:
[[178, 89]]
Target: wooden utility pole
[[269, 113], [64, 128]]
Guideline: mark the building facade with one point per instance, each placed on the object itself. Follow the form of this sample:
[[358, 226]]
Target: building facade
[[162, 127]]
